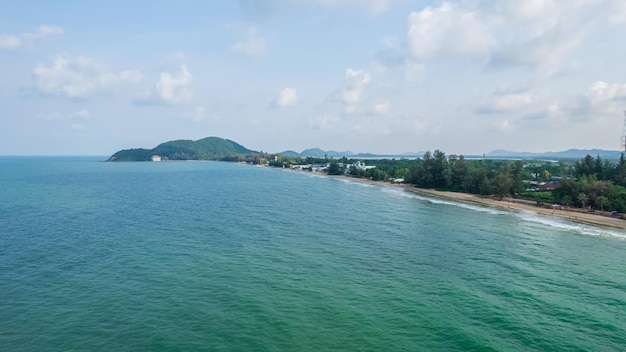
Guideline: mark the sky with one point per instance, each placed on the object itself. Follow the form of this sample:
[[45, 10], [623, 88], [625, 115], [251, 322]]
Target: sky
[[378, 76]]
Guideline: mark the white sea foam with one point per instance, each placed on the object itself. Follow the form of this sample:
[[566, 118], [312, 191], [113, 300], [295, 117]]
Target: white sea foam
[[358, 183], [531, 217], [399, 192], [463, 205], [434, 200], [571, 226], [558, 223]]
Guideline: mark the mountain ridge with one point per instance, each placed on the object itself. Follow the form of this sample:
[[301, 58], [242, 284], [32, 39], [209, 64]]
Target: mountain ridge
[[209, 148], [571, 153], [216, 148]]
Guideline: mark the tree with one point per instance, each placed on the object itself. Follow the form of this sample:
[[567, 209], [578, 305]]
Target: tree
[[566, 200], [441, 169], [516, 174], [377, 174], [334, 168], [502, 183], [459, 173], [602, 201], [583, 198], [619, 175]]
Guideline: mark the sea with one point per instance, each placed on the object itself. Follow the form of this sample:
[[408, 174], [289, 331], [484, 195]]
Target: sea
[[212, 256]]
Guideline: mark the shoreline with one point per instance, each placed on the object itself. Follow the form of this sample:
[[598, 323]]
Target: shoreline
[[507, 205]]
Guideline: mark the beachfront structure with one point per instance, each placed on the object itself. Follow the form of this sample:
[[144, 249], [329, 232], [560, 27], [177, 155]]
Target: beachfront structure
[[312, 167], [156, 158], [359, 165]]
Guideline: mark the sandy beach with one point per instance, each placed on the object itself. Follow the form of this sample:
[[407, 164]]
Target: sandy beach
[[574, 215]]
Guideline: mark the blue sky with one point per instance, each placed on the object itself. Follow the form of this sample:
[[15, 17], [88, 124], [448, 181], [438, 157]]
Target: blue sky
[[382, 76]]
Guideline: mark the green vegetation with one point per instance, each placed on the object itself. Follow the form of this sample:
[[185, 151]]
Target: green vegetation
[[334, 168], [138, 154], [210, 148], [590, 183]]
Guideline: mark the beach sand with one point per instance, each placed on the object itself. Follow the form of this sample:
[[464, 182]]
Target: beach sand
[[505, 204]]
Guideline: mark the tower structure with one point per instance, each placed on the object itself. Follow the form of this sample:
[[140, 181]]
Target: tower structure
[[624, 133]]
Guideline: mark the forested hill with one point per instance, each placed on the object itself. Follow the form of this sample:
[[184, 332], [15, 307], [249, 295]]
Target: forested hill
[[210, 148]]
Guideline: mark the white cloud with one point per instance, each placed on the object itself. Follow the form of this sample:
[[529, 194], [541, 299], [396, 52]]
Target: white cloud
[[77, 115], [507, 103], [598, 101], [521, 10], [393, 54], [83, 114], [253, 45], [174, 88], [13, 42], [199, 113], [54, 116], [9, 42], [504, 126], [536, 34], [286, 97], [546, 50], [601, 92], [545, 34], [353, 86], [618, 15], [372, 128], [446, 32], [381, 108], [79, 77], [43, 32], [325, 122], [416, 127]]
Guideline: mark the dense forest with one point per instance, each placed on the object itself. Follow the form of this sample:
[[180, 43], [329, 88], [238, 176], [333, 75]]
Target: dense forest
[[210, 148], [590, 183]]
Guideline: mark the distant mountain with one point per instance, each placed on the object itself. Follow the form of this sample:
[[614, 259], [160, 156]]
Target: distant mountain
[[320, 153], [289, 153], [498, 153], [313, 152], [567, 154], [210, 148]]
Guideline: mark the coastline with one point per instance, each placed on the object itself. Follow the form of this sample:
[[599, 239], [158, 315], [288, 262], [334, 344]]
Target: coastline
[[505, 204]]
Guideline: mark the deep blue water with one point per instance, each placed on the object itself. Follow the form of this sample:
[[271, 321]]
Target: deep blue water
[[204, 256]]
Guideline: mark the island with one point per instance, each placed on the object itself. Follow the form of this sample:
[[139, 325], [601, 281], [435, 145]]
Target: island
[[210, 148]]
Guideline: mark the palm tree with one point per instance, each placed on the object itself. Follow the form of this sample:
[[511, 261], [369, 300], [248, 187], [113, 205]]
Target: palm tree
[[602, 201], [583, 198]]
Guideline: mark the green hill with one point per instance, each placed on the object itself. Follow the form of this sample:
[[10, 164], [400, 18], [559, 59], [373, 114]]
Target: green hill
[[210, 148]]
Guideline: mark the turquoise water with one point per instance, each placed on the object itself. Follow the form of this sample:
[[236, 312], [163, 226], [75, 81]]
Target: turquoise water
[[206, 256]]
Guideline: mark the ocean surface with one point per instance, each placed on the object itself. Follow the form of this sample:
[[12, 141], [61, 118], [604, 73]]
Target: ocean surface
[[208, 256]]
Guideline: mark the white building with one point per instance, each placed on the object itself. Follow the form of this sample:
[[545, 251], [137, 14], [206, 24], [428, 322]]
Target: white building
[[359, 165]]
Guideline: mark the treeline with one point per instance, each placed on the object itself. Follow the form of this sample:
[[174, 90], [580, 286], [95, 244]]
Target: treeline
[[589, 182], [596, 184]]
